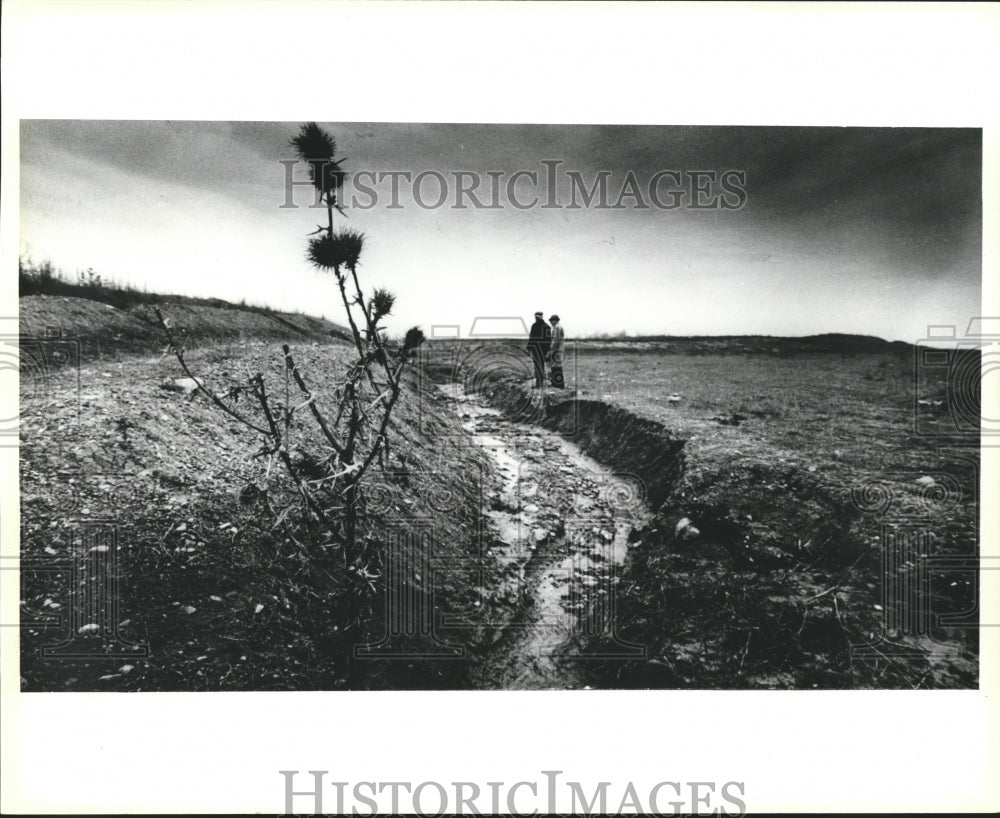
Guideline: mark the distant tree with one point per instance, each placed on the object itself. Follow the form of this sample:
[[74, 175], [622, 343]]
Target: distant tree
[[89, 278], [35, 278]]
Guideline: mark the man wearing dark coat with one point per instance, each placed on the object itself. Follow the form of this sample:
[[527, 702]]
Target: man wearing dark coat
[[539, 341]]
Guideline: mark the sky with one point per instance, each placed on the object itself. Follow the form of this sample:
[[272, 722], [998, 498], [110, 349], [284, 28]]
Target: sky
[[769, 230]]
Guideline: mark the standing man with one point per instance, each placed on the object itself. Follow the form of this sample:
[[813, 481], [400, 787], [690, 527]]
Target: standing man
[[539, 341], [557, 354]]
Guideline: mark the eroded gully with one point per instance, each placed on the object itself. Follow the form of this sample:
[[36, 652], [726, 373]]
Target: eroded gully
[[561, 524]]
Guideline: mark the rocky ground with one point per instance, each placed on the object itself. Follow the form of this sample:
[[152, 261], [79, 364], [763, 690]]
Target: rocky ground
[[128, 474], [820, 543], [680, 530], [93, 329]]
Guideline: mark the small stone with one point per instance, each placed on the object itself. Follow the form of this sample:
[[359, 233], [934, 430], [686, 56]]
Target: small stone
[[189, 609], [91, 627], [926, 480], [188, 385]]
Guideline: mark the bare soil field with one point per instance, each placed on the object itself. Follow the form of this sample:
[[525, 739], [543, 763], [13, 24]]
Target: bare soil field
[[805, 534], [734, 518]]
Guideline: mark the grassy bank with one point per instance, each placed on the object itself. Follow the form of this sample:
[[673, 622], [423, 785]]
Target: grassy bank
[[102, 318]]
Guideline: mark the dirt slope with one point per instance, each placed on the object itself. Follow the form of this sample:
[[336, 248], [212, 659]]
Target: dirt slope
[[103, 329], [211, 584]]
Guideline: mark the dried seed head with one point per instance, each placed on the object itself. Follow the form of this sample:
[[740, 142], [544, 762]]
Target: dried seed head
[[317, 147], [330, 252], [382, 301], [414, 338], [313, 144], [353, 242], [326, 252]]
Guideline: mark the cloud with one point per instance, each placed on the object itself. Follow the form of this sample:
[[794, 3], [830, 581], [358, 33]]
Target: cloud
[[832, 214]]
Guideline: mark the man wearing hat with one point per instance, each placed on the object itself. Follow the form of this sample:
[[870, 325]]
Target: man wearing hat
[[539, 341], [556, 352]]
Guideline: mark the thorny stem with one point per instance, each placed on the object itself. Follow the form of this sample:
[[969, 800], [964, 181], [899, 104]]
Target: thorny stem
[[352, 428], [380, 438], [349, 447], [373, 335], [290, 364], [282, 450], [353, 374], [198, 382], [341, 282]]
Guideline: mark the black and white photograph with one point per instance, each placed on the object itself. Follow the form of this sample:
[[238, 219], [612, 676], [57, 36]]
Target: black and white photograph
[[407, 406], [498, 408]]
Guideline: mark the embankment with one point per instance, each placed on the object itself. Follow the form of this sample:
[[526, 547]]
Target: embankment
[[621, 440], [104, 330], [758, 516], [216, 578]]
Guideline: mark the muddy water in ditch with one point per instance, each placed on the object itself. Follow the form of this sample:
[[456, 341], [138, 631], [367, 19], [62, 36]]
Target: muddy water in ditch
[[561, 523]]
